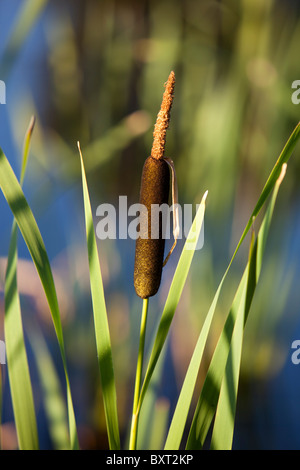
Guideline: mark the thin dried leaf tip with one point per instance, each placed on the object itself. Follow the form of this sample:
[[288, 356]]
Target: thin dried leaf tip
[[31, 126], [282, 173], [163, 118]]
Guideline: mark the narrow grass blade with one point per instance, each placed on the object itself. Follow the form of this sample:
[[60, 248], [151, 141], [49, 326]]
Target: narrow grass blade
[[146, 420], [225, 414], [174, 295], [18, 370], [180, 415], [209, 396], [24, 217], [101, 323], [138, 376], [17, 363], [184, 401], [26, 148]]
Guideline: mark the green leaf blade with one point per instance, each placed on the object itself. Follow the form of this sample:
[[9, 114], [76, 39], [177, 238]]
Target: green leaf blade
[[180, 415], [174, 295], [225, 414], [17, 363], [102, 334], [229, 346], [27, 224]]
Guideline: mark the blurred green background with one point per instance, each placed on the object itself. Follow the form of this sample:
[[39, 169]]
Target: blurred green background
[[94, 71]]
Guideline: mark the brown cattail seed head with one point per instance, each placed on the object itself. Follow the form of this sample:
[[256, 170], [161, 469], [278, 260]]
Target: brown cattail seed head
[[163, 118], [149, 251], [155, 184]]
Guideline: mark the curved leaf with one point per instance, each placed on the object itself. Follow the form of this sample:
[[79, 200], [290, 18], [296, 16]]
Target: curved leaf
[[180, 415], [101, 323], [24, 217]]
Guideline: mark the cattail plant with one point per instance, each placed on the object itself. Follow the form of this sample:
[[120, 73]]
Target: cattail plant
[[216, 401], [155, 186], [149, 254]]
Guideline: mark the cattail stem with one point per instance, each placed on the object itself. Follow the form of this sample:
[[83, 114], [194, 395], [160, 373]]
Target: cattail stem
[[149, 252], [138, 377]]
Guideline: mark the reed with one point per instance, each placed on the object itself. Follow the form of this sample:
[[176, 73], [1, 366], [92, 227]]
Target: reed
[[155, 186]]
